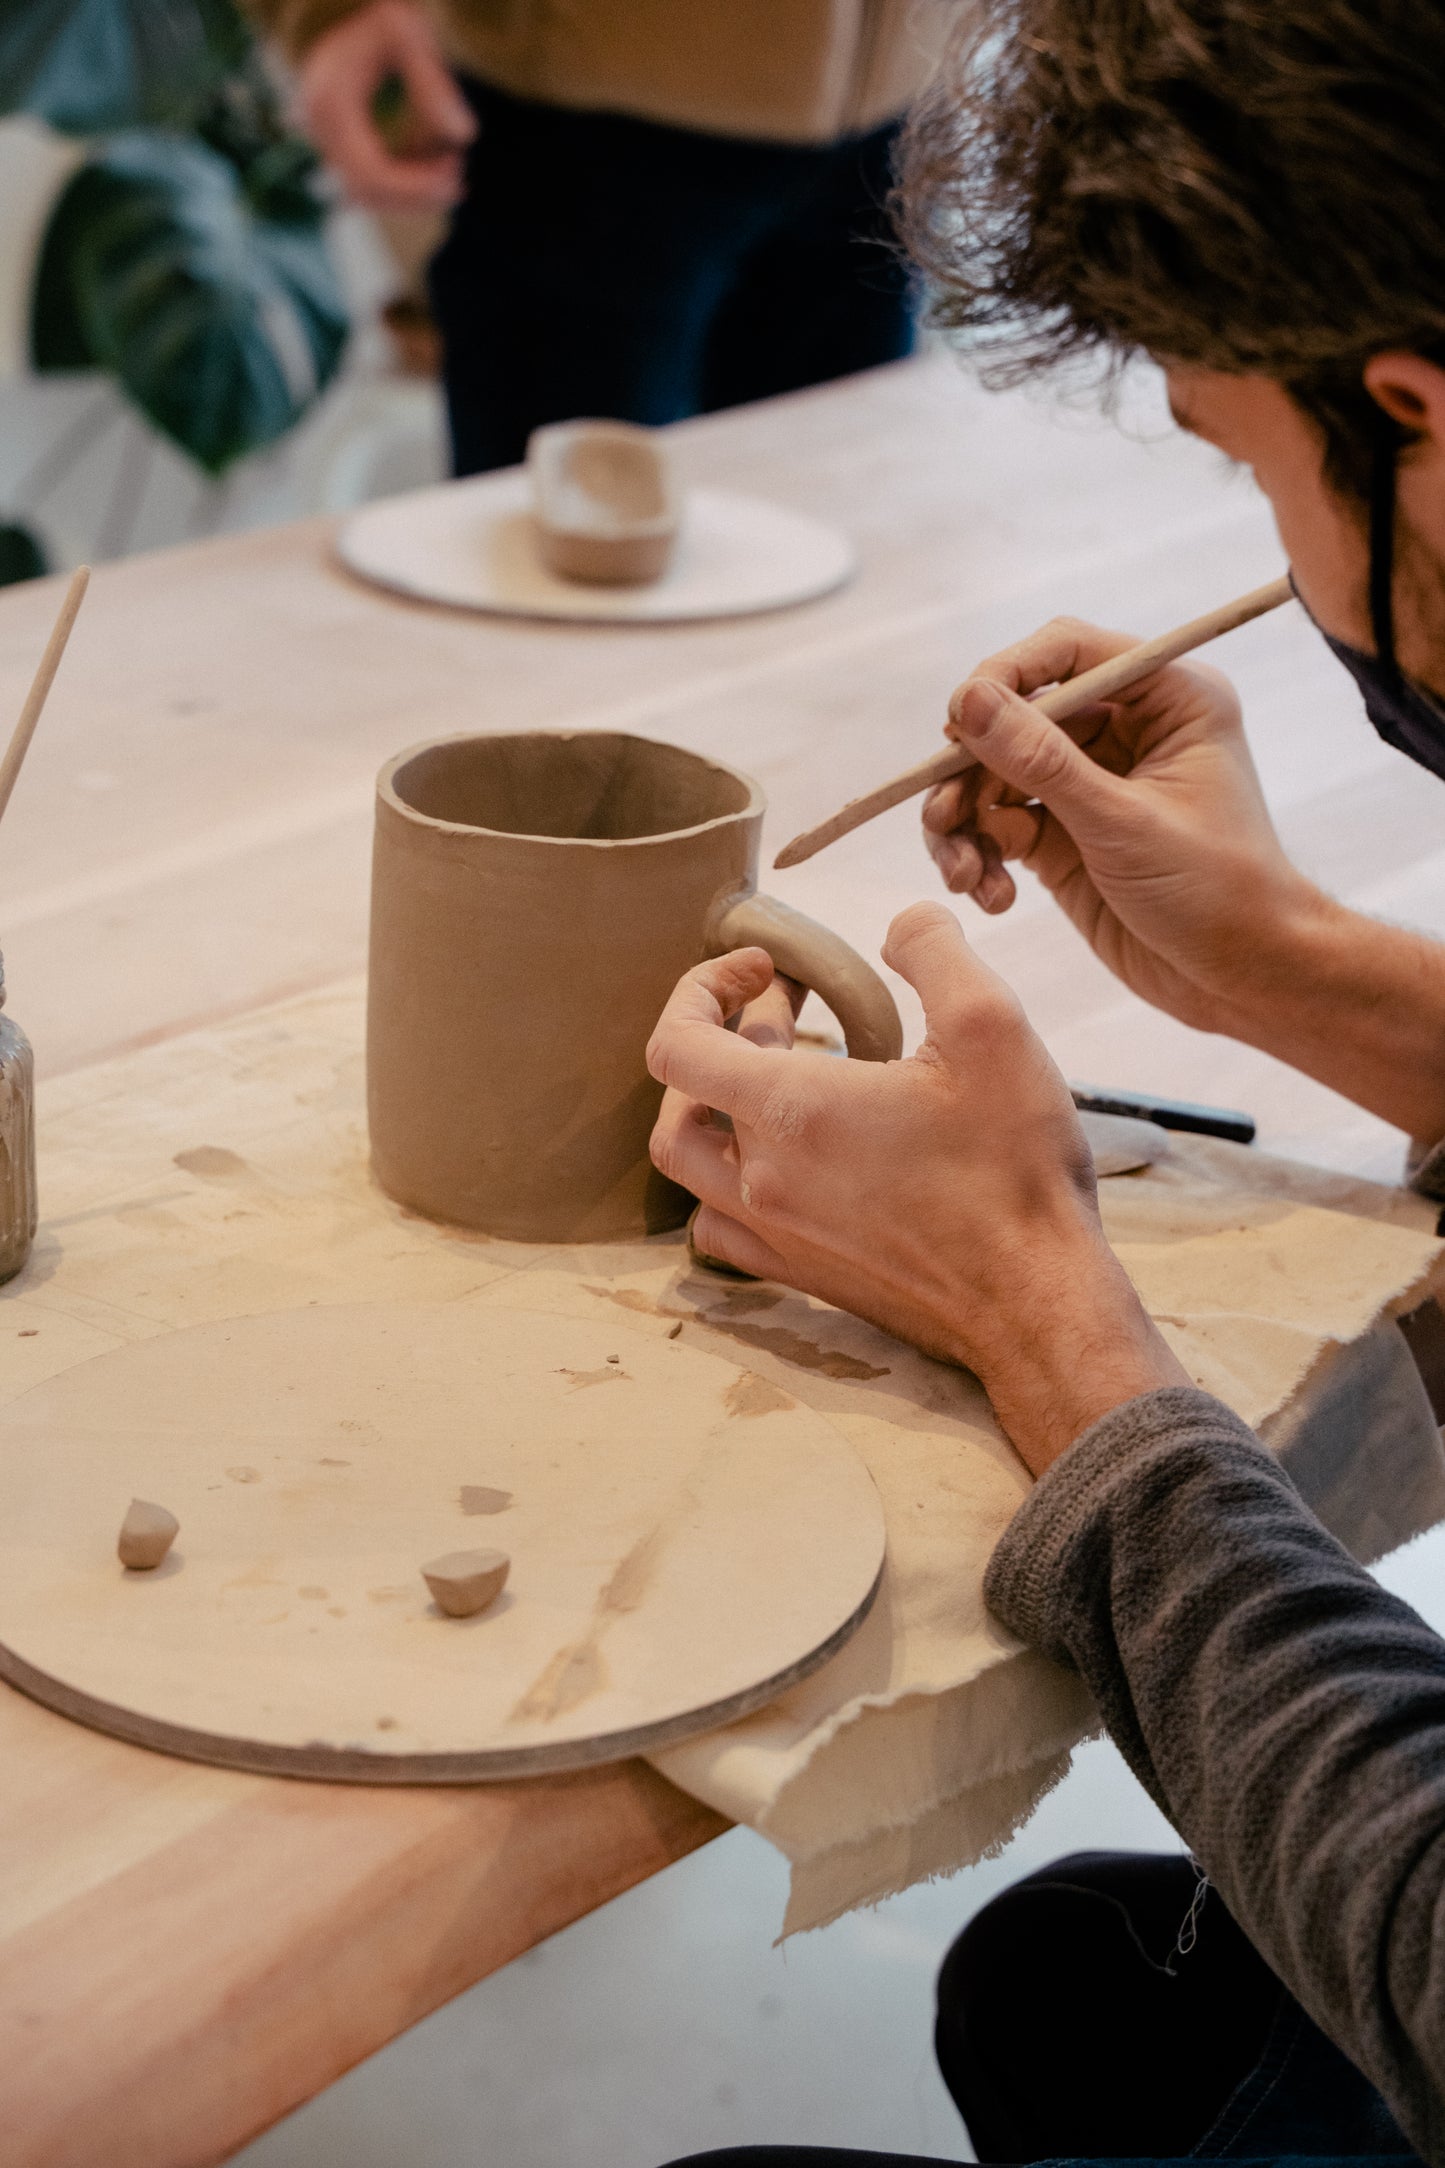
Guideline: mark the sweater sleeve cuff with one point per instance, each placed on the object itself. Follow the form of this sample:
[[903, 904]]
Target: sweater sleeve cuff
[[1032, 1581]]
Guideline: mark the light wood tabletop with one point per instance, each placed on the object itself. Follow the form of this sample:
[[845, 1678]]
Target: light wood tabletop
[[185, 1954]]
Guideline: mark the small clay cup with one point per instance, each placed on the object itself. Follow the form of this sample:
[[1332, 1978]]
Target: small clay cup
[[534, 900]]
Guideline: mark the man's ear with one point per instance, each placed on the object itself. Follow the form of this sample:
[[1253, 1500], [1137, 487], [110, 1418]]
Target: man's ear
[[1411, 390]]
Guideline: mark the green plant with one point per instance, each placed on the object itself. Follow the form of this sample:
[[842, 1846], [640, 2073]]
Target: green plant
[[186, 257]]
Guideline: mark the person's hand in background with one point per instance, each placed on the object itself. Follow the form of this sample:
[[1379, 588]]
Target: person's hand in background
[[388, 40], [949, 1197]]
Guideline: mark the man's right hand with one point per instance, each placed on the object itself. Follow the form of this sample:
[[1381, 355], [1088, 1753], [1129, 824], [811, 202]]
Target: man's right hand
[[1143, 818], [340, 78]]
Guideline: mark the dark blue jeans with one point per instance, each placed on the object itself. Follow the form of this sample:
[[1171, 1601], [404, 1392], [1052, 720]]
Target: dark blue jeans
[[1103, 2010], [612, 267]]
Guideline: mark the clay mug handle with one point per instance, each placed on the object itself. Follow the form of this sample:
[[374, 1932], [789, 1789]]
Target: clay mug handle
[[802, 949]]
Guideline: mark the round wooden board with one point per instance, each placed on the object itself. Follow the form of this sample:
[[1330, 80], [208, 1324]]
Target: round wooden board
[[471, 544], [686, 1541]]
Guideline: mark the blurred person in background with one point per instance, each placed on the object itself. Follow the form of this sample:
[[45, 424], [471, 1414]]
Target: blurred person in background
[[657, 210]]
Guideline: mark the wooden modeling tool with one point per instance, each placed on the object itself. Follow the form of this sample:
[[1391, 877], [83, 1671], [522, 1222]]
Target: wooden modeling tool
[[1057, 702], [39, 691]]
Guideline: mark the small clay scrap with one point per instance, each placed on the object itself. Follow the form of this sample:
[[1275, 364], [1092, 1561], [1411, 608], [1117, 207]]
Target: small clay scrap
[[146, 1534], [1121, 1144], [605, 502], [466, 1581], [483, 1498]]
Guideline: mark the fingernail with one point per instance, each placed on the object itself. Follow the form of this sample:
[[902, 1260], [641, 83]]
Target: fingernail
[[977, 705]]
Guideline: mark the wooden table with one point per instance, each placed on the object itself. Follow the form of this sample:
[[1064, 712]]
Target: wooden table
[[187, 1954]]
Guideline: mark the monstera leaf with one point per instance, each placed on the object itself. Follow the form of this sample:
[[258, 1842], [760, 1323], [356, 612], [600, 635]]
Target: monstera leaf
[[203, 287], [88, 66], [22, 554]]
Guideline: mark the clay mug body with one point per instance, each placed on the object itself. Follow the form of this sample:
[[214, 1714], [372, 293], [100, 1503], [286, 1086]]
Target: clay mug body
[[534, 901]]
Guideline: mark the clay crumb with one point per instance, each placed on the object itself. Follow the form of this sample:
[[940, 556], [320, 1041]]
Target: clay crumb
[[31, 1332], [614, 1358], [675, 1330], [146, 1534], [464, 1582], [244, 1475], [483, 1498]]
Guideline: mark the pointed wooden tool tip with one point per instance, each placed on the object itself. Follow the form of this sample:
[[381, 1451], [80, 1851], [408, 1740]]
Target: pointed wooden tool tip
[[146, 1534], [793, 854], [466, 1581]]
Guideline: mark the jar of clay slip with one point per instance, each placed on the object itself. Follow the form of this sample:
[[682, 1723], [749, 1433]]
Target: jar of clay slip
[[17, 1143]]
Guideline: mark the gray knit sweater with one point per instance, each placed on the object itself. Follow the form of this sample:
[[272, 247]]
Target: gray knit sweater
[[1284, 1711]]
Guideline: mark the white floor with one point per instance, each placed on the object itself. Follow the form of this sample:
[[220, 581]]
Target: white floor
[[667, 2023]]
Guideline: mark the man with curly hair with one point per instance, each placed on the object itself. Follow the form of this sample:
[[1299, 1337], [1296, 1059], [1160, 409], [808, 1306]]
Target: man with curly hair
[[1252, 194]]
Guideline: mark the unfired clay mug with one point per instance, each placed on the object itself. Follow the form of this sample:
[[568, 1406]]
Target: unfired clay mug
[[534, 901]]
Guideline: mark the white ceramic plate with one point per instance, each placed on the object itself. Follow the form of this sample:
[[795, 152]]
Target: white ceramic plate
[[471, 544]]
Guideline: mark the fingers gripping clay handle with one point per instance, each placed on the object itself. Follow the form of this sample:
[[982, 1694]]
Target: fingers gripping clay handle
[[818, 959]]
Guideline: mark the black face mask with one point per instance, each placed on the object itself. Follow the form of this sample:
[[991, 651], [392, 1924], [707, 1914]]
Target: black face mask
[[1405, 715]]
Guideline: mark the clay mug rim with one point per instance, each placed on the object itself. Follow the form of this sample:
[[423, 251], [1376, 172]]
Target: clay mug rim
[[754, 808]]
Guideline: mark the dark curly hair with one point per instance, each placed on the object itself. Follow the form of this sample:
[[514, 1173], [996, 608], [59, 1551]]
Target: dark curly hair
[[1254, 186]]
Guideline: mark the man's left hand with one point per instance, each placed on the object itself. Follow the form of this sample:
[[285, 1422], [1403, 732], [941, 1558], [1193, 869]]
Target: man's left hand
[[949, 1197]]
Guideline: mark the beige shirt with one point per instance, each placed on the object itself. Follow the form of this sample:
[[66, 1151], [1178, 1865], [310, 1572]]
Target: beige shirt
[[789, 71]]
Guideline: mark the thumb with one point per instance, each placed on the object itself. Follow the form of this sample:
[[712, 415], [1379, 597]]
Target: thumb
[[959, 992], [1020, 744], [430, 85]]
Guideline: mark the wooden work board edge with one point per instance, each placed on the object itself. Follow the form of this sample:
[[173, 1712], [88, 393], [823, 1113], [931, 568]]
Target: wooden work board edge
[[355, 1765]]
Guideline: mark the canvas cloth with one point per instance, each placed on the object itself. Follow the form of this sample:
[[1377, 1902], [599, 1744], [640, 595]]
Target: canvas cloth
[[225, 1172]]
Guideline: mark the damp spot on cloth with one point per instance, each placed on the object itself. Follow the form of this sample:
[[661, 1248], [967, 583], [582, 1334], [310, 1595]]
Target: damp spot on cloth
[[792, 1347], [213, 1161], [740, 1300], [751, 1395]]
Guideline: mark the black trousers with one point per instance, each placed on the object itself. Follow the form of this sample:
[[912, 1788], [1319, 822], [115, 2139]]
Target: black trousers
[[611, 267], [1109, 2009]]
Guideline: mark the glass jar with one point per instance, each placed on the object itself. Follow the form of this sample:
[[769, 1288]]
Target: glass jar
[[17, 1143]]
